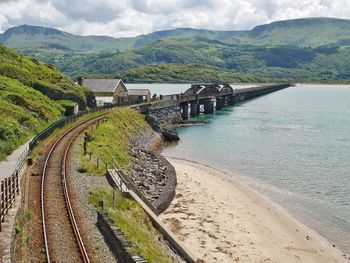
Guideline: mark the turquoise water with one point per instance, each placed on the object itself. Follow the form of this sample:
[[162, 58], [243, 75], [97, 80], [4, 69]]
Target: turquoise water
[[293, 146]]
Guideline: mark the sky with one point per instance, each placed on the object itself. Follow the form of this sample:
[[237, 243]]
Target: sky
[[120, 18]]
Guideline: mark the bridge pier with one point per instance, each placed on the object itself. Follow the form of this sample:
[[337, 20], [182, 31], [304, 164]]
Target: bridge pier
[[194, 109], [232, 100], [220, 103], [184, 111], [208, 106]]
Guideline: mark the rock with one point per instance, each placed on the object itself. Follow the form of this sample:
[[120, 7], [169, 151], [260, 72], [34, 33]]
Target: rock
[[145, 185], [153, 122], [170, 135]]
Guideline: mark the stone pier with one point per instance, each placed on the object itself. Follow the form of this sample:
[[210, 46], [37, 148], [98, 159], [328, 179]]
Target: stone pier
[[232, 100], [220, 103], [184, 111], [194, 109], [208, 106]]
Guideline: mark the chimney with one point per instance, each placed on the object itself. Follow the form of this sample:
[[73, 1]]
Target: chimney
[[80, 80]]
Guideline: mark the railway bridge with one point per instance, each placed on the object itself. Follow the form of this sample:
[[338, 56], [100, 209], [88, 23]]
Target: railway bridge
[[204, 98]]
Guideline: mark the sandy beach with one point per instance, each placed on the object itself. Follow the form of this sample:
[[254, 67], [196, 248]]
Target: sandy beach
[[223, 220]]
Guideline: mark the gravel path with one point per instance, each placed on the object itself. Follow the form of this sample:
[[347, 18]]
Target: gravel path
[[84, 185]]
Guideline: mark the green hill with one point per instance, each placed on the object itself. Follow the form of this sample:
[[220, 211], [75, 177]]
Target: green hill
[[302, 32], [32, 95], [222, 36], [29, 37]]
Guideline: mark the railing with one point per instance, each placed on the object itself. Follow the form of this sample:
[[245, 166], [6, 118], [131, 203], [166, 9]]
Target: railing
[[119, 180], [125, 184], [10, 185], [9, 189]]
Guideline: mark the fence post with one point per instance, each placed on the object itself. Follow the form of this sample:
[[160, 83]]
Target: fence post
[[13, 187], [2, 204], [113, 198], [17, 183], [6, 195]]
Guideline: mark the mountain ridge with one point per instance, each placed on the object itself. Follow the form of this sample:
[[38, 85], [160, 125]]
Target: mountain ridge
[[295, 32], [312, 49]]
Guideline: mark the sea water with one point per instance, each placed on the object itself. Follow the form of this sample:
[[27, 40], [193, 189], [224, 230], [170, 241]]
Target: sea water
[[292, 145]]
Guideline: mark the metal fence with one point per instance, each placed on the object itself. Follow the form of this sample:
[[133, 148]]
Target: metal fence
[[124, 184], [10, 185]]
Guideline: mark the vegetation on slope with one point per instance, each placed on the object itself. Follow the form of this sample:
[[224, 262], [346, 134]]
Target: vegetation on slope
[[32, 95], [23, 113], [42, 77]]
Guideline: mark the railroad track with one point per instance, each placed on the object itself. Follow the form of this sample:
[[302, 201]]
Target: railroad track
[[63, 241]]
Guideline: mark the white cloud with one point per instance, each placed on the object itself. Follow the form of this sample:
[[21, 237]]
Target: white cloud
[[133, 17]]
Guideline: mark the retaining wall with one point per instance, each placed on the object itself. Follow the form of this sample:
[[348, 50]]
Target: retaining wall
[[165, 198], [116, 240]]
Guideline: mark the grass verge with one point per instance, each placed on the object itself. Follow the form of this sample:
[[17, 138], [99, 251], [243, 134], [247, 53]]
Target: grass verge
[[129, 216], [110, 140]]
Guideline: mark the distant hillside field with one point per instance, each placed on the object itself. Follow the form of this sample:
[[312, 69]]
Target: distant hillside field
[[186, 73], [300, 50], [32, 95]]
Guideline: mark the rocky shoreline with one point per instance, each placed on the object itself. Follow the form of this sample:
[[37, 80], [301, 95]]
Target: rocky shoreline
[[151, 173]]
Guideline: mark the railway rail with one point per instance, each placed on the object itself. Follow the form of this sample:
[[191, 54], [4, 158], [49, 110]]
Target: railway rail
[[63, 241]]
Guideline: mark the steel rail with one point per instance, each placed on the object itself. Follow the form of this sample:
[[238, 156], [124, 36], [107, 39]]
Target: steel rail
[[64, 185]]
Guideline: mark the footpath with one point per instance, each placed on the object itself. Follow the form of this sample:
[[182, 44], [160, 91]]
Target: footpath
[[7, 167]]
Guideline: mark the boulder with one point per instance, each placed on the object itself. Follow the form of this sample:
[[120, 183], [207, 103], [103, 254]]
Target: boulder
[[153, 122], [170, 135]]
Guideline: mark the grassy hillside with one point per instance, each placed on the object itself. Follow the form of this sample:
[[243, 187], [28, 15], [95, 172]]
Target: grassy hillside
[[32, 95], [42, 77], [23, 113]]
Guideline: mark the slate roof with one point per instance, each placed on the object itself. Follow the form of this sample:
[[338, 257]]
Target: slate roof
[[139, 92], [102, 85]]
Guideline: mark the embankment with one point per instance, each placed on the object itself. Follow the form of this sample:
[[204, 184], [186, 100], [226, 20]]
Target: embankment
[[125, 138]]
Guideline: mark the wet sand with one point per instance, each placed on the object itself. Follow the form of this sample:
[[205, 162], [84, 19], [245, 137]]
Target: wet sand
[[223, 220]]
